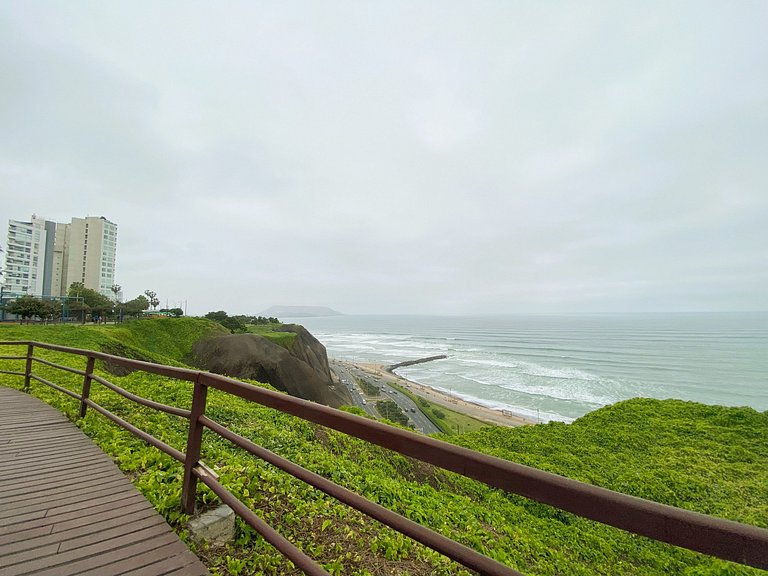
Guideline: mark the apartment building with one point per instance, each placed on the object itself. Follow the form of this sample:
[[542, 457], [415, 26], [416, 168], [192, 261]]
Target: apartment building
[[25, 256], [43, 258], [90, 245]]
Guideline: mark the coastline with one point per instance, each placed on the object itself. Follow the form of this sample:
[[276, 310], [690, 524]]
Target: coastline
[[477, 411]]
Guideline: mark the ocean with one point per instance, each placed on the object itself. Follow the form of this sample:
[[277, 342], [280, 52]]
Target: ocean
[[549, 367]]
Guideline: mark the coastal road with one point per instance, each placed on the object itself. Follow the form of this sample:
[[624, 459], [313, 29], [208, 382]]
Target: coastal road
[[408, 406], [349, 382]]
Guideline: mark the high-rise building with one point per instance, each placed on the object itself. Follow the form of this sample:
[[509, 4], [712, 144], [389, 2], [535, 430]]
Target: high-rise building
[[43, 258], [89, 253], [25, 256]]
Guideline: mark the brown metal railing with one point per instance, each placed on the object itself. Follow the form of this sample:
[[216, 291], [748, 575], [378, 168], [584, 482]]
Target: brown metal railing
[[714, 536]]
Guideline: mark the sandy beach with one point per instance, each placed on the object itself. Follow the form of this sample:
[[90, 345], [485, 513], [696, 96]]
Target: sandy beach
[[483, 413]]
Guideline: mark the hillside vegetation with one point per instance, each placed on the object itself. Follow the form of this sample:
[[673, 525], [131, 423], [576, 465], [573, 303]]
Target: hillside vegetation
[[284, 339], [704, 458], [162, 340]]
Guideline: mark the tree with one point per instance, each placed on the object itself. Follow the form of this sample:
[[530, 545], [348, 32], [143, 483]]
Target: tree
[[93, 301], [25, 307], [152, 298], [135, 306], [219, 316], [29, 307], [116, 290], [49, 310], [78, 305], [259, 320], [233, 323]]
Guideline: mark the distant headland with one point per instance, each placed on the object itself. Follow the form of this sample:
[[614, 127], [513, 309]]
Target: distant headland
[[299, 312]]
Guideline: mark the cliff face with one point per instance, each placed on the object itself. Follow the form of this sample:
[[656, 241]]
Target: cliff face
[[308, 349], [302, 372]]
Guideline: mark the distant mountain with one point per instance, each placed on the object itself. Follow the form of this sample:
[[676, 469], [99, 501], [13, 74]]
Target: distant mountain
[[299, 312]]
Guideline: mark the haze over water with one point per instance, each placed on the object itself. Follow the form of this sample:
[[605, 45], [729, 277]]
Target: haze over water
[[561, 367]]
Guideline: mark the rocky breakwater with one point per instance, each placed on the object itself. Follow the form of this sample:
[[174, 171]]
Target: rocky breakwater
[[300, 368], [414, 362]]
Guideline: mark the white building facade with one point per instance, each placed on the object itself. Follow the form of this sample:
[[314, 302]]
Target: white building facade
[[43, 258], [25, 257]]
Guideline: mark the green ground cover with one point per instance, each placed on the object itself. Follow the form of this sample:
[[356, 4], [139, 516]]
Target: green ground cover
[[164, 340], [284, 339], [391, 411], [704, 458], [368, 388]]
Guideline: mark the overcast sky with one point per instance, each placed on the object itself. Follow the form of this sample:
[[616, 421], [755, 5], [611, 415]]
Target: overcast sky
[[415, 157]]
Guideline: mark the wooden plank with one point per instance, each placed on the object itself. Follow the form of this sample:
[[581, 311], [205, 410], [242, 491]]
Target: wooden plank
[[81, 538], [157, 564], [35, 469], [21, 492], [28, 534], [76, 494], [52, 518], [48, 525], [60, 440], [66, 536], [96, 556], [76, 507], [140, 527], [54, 478], [66, 509]]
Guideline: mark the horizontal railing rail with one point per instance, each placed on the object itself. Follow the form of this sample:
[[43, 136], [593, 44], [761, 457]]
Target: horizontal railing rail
[[54, 386], [61, 367], [159, 444], [181, 412], [717, 537]]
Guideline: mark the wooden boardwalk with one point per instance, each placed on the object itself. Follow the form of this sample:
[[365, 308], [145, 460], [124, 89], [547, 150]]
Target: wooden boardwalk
[[66, 509]]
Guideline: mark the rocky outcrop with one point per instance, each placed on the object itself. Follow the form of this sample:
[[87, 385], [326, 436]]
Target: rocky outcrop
[[308, 348], [303, 371]]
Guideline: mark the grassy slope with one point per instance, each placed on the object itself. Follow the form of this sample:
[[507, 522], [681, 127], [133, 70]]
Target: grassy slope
[[166, 340], [704, 458], [169, 338], [679, 453], [284, 339]]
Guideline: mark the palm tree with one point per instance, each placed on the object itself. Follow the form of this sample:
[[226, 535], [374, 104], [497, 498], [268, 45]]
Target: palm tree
[[152, 298]]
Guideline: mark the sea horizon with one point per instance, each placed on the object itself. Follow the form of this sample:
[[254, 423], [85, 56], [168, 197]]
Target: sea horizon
[[560, 366]]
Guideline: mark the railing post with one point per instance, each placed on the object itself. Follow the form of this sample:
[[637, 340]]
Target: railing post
[[28, 370], [86, 386], [194, 440]]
